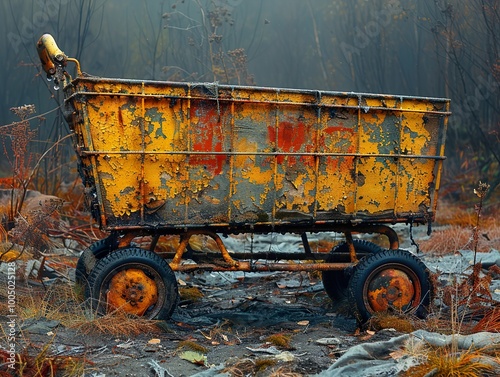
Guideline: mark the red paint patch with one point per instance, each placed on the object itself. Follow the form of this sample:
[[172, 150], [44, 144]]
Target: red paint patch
[[207, 137], [292, 138]]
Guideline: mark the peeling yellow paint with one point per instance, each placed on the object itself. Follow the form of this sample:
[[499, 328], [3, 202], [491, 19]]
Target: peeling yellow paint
[[194, 154]]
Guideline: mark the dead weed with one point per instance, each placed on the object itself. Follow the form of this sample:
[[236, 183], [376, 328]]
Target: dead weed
[[116, 323]]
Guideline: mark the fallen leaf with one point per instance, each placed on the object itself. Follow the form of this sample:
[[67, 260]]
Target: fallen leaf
[[285, 356], [270, 350], [328, 341], [127, 344], [398, 354], [194, 357], [154, 341], [367, 336], [303, 323]]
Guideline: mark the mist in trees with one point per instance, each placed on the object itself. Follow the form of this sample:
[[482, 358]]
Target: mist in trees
[[424, 48]]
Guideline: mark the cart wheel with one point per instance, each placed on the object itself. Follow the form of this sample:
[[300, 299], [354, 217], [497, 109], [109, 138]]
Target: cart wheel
[[134, 280], [88, 258], [336, 281], [389, 280]]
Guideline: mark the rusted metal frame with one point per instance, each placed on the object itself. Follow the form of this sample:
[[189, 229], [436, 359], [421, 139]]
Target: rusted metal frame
[[350, 246], [176, 261], [135, 230], [264, 255], [142, 185], [275, 159], [77, 64], [355, 160], [231, 166], [126, 238], [93, 159], [154, 241], [189, 141], [346, 95], [260, 255], [262, 267], [359, 107], [398, 160], [385, 230], [442, 142], [305, 243], [316, 150], [271, 154]]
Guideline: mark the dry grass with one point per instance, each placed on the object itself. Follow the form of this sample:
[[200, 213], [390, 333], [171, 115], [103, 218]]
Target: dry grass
[[457, 237], [61, 303], [221, 333], [490, 322], [280, 340], [192, 294], [116, 323], [474, 228], [250, 367], [57, 302], [192, 346], [449, 362], [41, 364], [284, 372], [404, 324]]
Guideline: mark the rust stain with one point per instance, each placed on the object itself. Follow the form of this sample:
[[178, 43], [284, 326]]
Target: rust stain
[[199, 159]]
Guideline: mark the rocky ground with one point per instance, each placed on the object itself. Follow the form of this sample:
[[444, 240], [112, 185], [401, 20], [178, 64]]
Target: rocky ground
[[280, 324]]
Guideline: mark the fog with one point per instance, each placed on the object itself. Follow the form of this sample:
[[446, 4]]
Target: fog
[[419, 48]]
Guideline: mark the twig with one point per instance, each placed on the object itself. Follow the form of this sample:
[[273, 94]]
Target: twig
[[159, 370]]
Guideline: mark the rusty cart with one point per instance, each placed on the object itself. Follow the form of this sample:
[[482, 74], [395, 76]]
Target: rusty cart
[[181, 158]]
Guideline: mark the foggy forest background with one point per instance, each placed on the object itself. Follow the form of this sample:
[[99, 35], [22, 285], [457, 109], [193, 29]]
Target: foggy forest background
[[431, 48]]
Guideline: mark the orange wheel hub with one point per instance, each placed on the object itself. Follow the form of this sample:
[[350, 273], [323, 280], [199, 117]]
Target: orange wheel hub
[[390, 288], [132, 291]]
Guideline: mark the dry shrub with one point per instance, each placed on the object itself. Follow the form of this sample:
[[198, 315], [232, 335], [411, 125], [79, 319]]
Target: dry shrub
[[322, 245], [57, 302], [191, 294], [280, 340], [221, 333], [249, 367], [456, 237], [474, 229], [284, 372], [40, 363], [61, 303], [454, 214], [448, 362], [490, 322], [117, 323], [383, 320], [446, 241], [192, 346]]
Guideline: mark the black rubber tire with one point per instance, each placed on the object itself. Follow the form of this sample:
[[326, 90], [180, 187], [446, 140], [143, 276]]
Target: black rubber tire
[[155, 267], [370, 268], [336, 281], [88, 259]]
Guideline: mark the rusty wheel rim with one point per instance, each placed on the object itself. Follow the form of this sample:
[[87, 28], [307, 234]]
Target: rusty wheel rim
[[134, 291], [392, 286]]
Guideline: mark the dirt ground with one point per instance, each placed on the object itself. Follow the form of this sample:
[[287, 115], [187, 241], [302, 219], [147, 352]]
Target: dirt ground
[[244, 324], [233, 322]]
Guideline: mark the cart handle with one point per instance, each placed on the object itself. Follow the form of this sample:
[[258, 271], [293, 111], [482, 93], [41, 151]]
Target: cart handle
[[52, 57]]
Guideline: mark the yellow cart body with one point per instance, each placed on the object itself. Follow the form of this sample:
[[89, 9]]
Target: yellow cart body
[[160, 158], [231, 158]]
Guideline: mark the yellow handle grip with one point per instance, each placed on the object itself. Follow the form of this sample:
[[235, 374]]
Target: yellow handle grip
[[50, 55]]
